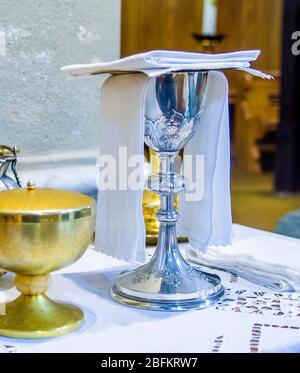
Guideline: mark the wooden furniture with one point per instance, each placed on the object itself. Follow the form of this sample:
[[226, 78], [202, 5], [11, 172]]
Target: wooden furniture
[[170, 24], [256, 122], [245, 24], [160, 24]]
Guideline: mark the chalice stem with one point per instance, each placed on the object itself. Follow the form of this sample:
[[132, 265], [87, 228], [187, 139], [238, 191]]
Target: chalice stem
[[167, 214], [167, 262]]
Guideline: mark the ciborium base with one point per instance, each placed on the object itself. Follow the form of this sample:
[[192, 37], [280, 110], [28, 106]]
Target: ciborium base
[[39, 317], [168, 283]]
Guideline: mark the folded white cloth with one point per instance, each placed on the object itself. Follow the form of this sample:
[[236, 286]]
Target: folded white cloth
[[120, 230], [270, 262], [158, 62]]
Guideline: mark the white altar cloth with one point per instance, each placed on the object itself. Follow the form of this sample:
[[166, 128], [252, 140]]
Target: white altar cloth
[[249, 319]]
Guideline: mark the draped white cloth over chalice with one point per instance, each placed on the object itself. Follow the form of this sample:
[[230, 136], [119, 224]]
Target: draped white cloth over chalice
[[206, 221]]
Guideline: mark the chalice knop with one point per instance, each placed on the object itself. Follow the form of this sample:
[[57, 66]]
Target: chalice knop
[[168, 282], [41, 230]]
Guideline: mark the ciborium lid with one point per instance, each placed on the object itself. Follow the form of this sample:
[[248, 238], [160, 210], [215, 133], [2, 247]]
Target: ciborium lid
[[36, 205]]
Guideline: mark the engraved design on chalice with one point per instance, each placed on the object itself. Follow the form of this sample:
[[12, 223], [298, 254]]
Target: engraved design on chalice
[[168, 282]]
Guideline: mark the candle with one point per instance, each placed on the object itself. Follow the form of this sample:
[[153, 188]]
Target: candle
[[210, 13]]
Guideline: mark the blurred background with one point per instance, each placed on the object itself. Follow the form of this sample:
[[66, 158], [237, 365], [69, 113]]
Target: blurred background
[[56, 122]]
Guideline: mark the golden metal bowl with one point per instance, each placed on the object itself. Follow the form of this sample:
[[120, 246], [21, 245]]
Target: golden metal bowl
[[41, 230], [151, 204]]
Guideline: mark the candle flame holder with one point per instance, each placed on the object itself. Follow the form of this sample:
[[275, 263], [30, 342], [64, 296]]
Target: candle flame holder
[[209, 43]]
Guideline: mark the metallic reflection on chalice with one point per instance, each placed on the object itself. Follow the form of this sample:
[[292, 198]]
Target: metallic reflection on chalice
[[168, 282], [41, 230]]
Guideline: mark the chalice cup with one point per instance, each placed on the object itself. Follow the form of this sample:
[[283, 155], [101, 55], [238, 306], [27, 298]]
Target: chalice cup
[[168, 282]]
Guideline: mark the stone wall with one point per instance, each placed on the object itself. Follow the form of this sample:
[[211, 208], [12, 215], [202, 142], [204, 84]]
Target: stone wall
[[40, 111]]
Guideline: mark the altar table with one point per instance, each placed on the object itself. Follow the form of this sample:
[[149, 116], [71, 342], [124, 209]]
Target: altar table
[[249, 319]]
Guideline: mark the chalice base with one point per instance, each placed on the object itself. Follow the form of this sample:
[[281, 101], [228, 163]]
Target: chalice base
[[170, 284], [39, 317]]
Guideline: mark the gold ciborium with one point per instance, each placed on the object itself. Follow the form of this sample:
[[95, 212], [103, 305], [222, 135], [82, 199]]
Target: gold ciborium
[[151, 205], [41, 230]]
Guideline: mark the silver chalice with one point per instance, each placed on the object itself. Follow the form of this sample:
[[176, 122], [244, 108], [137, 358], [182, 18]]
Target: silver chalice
[[168, 282]]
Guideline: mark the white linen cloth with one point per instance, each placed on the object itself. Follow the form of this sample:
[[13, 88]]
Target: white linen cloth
[[120, 230], [241, 323], [268, 261]]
